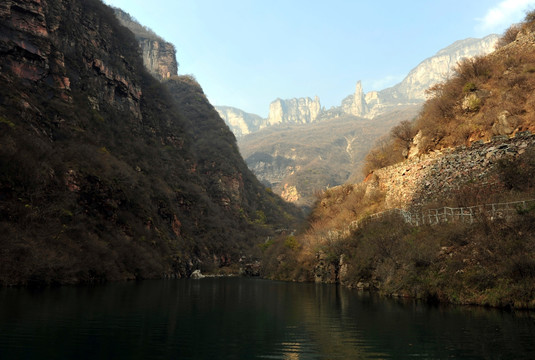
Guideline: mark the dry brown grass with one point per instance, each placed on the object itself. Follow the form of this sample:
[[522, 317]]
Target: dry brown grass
[[468, 106]]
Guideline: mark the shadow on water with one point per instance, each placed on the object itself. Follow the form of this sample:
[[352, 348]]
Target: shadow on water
[[236, 318]]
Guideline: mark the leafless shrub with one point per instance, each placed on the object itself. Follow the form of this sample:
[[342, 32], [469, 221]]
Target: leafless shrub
[[530, 17], [509, 36], [474, 68]]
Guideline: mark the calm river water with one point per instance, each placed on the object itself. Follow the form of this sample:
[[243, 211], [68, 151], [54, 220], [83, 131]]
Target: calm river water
[[240, 318]]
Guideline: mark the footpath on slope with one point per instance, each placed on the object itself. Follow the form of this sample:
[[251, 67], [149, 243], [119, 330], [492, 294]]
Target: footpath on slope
[[469, 214], [410, 185]]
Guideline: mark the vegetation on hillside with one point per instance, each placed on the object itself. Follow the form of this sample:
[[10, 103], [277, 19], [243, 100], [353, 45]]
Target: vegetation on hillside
[[490, 262], [323, 154], [99, 184], [487, 96], [133, 25]]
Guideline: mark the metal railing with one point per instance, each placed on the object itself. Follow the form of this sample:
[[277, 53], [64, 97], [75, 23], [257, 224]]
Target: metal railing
[[444, 215]]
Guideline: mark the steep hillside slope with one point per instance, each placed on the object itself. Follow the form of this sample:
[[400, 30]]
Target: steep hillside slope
[[468, 181], [477, 245], [433, 70], [488, 96], [107, 174], [298, 161]]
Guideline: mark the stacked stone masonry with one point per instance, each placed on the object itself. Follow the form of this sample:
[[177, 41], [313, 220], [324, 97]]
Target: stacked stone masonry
[[411, 184]]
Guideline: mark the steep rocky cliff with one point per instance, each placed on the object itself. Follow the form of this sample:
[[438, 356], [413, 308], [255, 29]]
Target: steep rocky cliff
[[293, 111], [240, 122], [355, 104], [106, 173], [281, 112], [159, 56], [412, 90]]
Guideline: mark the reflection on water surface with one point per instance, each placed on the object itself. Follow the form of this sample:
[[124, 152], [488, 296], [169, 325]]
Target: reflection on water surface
[[239, 318]]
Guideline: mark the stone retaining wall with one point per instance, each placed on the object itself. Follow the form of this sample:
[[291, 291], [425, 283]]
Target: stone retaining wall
[[413, 183]]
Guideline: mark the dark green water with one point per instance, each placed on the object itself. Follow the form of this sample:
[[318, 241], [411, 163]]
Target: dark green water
[[237, 318]]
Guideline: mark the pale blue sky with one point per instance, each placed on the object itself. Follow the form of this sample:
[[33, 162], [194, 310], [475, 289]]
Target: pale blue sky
[[247, 53]]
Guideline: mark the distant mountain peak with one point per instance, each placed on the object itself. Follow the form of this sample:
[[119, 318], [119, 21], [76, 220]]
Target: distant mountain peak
[[410, 91], [355, 104], [435, 69]]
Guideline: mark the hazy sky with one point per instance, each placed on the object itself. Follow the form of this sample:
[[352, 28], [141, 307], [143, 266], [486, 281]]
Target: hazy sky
[[247, 53]]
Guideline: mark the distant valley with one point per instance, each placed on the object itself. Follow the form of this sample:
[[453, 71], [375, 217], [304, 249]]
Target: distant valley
[[301, 147], [297, 161]]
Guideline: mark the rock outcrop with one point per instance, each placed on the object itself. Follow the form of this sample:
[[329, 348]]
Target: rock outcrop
[[159, 56], [281, 112], [294, 111], [240, 122], [355, 104]]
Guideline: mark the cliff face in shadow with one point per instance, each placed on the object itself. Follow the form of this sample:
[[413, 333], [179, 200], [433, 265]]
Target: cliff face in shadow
[[106, 173]]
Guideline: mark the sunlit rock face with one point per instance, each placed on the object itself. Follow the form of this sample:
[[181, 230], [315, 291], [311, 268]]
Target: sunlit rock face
[[240, 122], [294, 111], [287, 112], [355, 104], [439, 67], [159, 56], [433, 70]]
